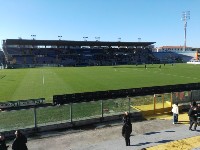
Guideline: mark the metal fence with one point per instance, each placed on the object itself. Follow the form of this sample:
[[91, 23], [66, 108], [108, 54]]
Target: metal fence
[[43, 116]]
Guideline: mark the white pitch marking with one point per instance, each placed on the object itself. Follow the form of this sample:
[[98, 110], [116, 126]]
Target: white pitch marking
[[43, 79]]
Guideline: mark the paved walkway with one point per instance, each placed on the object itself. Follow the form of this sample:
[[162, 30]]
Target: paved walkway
[[158, 134], [147, 140]]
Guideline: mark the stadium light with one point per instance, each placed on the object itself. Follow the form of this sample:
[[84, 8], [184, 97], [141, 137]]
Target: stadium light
[[33, 36], [59, 37], [119, 39], [97, 38], [85, 38], [139, 39], [185, 17]]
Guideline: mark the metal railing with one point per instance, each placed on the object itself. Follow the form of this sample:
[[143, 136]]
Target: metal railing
[[43, 116]]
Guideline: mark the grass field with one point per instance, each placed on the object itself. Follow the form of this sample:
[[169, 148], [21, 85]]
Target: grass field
[[22, 84]]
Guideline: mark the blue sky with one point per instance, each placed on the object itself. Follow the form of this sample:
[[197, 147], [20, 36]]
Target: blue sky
[[151, 20]]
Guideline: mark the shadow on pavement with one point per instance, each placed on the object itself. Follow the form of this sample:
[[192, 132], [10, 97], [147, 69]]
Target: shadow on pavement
[[164, 141], [140, 144], [170, 131], [151, 133]]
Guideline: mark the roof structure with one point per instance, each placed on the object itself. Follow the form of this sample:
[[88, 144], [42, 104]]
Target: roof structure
[[73, 43]]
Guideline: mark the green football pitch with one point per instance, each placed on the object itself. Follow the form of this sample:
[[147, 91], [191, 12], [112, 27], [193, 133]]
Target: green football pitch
[[32, 83]]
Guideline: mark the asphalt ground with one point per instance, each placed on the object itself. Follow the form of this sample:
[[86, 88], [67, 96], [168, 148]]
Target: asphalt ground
[[156, 133]]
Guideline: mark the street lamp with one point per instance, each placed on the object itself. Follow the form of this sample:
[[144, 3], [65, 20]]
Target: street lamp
[[185, 17], [33, 36]]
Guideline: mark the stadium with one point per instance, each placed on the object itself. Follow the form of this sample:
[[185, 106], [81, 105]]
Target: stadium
[[87, 82], [21, 53], [99, 75], [32, 53]]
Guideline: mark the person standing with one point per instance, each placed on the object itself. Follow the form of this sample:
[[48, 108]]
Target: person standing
[[3, 143], [19, 141], [126, 132], [127, 128], [126, 118], [198, 114], [175, 111], [193, 116]]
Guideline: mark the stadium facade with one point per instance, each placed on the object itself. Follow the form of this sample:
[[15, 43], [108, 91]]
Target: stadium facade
[[32, 53]]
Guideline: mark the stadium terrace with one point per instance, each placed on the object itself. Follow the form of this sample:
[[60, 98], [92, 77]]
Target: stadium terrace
[[32, 53]]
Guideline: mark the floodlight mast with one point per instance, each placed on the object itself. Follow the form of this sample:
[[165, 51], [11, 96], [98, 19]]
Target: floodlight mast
[[85, 38], [59, 37], [185, 17], [97, 38], [34, 36]]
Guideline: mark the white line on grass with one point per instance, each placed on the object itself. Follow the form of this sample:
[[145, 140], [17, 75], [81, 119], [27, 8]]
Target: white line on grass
[[42, 77], [170, 74], [43, 80], [156, 72]]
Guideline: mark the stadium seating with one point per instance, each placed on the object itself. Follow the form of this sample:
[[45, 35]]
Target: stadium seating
[[77, 56]]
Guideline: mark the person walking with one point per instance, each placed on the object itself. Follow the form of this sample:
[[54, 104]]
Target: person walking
[[193, 116], [19, 141], [126, 132], [175, 111]]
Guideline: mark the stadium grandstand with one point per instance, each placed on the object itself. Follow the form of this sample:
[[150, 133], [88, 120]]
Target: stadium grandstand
[[176, 54], [32, 53], [22, 53], [2, 59]]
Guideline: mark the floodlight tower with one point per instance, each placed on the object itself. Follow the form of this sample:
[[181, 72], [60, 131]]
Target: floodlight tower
[[185, 17], [97, 38], [59, 37], [85, 38], [34, 36]]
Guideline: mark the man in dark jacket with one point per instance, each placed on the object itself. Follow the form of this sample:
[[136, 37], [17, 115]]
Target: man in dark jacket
[[193, 116], [126, 118], [20, 141], [198, 113], [3, 143], [126, 132]]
